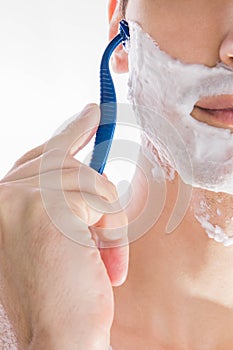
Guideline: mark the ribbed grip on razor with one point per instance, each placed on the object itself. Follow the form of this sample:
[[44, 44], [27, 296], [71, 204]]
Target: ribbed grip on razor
[[108, 104], [108, 107]]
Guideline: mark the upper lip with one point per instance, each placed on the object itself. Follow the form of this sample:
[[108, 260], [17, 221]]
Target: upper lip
[[220, 102]]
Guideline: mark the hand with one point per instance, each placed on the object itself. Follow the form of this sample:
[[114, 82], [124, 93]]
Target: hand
[[57, 283]]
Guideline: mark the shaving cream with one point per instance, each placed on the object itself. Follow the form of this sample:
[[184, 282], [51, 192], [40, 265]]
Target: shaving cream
[[163, 91]]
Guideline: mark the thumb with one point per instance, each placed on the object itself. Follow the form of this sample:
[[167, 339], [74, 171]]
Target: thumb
[[116, 259], [111, 231], [78, 132]]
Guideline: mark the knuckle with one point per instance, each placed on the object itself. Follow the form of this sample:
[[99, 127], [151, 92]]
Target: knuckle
[[110, 187], [56, 159], [113, 192], [26, 203], [54, 153], [72, 162]]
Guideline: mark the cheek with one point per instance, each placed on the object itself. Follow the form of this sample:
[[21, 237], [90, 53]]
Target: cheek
[[189, 31]]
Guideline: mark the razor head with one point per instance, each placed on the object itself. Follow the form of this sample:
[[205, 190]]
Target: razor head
[[124, 31]]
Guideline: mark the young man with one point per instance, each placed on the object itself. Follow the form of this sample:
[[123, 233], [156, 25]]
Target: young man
[[177, 294]]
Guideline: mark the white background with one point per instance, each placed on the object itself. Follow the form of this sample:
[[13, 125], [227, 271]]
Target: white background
[[49, 68]]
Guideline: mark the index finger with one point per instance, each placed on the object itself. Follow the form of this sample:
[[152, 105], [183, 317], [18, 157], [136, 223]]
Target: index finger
[[78, 132]]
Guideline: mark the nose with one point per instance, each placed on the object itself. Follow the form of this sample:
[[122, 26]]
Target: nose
[[226, 50]]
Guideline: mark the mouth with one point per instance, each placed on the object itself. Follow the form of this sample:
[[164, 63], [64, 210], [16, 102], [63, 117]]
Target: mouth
[[216, 111]]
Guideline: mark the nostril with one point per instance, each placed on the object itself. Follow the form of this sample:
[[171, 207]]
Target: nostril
[[230, 57], [229, 60], [226, 50], [226, 60]]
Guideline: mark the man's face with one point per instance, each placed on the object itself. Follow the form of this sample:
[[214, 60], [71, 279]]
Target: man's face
[[193, 31], [188, 74]]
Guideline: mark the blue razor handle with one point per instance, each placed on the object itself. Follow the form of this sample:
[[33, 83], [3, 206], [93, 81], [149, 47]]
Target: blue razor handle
[[108, 103]]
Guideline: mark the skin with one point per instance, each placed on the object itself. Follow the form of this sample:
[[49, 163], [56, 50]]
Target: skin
[[178, 292], [50, 284]]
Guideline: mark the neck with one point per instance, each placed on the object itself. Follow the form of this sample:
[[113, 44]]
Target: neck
[[179, 286]]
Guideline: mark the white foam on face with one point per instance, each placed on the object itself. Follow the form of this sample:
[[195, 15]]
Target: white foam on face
[[164, 92]]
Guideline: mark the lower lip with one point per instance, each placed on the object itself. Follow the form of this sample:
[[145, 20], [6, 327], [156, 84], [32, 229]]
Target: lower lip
[[219, 117]]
